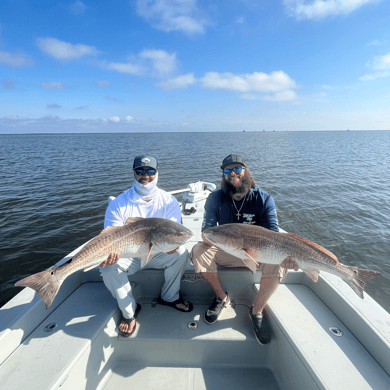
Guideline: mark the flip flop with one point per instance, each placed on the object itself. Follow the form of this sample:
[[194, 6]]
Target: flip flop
[[128, 321], [175, 303]]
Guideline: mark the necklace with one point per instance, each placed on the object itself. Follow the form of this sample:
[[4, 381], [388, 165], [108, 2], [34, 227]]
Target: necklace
[[238, 211]]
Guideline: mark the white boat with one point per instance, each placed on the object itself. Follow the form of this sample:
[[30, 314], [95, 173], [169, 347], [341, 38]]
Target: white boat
[[324, 335]]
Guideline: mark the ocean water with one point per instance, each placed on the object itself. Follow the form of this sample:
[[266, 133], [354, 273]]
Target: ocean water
[[329, 187]]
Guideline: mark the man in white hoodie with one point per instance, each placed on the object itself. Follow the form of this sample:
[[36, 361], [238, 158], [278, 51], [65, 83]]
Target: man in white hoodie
[[145, 200]]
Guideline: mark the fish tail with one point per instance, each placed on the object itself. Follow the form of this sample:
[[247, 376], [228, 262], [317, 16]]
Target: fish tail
[[45, 283], [359, 279]]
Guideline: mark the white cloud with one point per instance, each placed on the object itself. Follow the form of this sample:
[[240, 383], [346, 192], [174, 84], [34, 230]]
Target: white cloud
[[9, 84], [180, 82], [128, 118], [277, 81], [173, 15], [376, 43], [15, 60], [316, 9], [115, 119], [103, 84], [152, 63], [124, 68], [78, 8], [374, 76], [248, 96], [65, 51], [281, 96], [52, 85], [161, 62], [381, 64]]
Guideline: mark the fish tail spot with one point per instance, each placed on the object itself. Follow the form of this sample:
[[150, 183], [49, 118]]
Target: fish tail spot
[[360, 278], [44, 283]]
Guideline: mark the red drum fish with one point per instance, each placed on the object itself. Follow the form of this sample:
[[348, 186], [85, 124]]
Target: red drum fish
[[139, 237], [260, 245]]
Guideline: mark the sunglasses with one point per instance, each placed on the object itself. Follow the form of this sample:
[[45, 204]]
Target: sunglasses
[[142, 172], [236, 170]]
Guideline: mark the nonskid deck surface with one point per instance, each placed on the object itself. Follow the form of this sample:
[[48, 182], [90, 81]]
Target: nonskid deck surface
[[125, 376], [166, 353]]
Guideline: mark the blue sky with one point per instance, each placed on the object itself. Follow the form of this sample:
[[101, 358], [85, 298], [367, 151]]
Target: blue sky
[[194, 65]]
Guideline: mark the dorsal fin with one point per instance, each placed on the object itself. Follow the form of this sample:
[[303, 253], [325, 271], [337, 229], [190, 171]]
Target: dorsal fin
[[133, 219], [315, 246]]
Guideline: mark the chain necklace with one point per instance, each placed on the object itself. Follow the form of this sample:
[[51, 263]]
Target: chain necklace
[[238, 211]]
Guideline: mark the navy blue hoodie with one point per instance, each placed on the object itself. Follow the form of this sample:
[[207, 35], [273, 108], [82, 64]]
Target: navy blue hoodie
[[258, 209]]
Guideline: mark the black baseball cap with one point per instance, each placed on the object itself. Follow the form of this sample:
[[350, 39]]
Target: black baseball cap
[[145, 161], [233, 159]]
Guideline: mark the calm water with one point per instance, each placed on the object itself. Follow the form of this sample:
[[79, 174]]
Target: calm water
[[329, 187]]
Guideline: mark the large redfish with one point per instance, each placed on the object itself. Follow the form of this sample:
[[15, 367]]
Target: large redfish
[[139, 237], [259, 245]]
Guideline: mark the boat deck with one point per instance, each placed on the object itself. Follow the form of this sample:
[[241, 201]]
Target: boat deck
[[75, 344], [176, 350]]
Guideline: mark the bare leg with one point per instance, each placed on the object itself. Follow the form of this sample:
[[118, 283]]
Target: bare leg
[[267, 288], [212, 279]]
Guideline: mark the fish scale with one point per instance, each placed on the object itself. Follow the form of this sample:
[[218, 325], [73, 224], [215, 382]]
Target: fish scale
[[260, 245]]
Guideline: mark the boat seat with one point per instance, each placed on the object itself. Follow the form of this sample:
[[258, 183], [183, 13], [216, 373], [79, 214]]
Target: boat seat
[[47, 358], [298, 317]]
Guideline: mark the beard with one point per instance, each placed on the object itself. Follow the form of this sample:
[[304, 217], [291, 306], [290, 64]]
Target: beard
[[246, 183]]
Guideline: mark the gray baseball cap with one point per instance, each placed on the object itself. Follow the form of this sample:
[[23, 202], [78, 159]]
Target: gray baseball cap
[[233, 159], [145, 161]]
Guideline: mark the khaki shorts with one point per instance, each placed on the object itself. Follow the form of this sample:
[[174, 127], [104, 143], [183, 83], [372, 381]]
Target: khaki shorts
[[205, 259]]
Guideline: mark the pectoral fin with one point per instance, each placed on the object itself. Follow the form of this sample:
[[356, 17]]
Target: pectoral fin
[[248, 256], [90, 267], [312, 274], [149, 252]]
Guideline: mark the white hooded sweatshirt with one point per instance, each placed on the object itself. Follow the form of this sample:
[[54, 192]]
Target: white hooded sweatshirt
[[133, 203]]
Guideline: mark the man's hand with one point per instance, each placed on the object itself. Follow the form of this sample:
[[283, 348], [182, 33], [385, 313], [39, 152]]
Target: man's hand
[[112, 258], [174, 251], [290, 264]]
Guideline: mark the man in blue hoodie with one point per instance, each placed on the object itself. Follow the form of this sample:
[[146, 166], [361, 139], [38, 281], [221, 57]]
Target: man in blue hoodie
[[238, 201]]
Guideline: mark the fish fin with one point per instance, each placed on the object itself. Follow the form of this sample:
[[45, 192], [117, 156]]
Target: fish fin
[[133, 219], [315, 246], [249, 256], [149, 252], [86, 269], [360, 278], [312, 274], [45, 283]]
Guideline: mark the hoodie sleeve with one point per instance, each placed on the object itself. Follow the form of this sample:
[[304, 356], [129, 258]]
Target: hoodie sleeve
[[210, 217], [113, 217], [173, 211], [270, 218]]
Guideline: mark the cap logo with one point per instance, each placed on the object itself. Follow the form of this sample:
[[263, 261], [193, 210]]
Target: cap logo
[[145, 160]]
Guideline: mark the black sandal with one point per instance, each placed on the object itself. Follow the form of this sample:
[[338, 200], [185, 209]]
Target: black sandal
[[174, 304], [128, 321]]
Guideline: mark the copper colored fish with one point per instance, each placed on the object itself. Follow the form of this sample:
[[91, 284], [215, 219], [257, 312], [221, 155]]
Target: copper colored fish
[[139, 237], [255, 244]]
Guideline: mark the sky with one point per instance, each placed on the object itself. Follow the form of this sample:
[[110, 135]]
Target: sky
[[194, 65]]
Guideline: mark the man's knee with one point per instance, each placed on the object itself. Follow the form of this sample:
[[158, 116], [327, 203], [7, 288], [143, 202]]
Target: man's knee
[[198, 250]]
